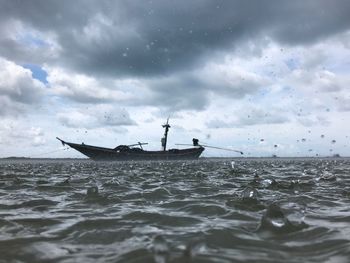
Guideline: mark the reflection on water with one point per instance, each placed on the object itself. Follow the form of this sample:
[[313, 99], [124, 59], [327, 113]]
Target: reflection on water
[[269, 210]]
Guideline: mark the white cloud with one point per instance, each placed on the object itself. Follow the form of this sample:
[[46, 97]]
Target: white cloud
[[76, 119], [82, 88], [344, 104], [17, 134], [18, 89], [229, 79]]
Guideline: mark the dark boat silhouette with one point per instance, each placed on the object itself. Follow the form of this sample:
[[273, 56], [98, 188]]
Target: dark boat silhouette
[[136, 152]]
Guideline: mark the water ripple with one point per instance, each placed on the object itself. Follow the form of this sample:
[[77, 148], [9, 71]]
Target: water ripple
[[243, 210]]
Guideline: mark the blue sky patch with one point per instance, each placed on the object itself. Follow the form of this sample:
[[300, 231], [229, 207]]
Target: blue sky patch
[[30, 39], [37, 72]]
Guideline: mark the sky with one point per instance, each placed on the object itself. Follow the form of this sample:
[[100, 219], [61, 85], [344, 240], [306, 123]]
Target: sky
[[264, 77]]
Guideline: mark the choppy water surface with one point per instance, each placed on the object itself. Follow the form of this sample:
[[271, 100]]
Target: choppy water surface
[[197, 211]]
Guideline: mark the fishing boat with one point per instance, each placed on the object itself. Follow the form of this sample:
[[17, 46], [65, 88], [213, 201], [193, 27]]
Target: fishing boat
[[136, 151]]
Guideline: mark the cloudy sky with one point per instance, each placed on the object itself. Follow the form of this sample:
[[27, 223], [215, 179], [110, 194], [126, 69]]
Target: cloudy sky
[[265, 77]]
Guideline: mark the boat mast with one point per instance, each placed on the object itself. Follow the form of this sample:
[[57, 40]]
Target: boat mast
[[165, 138]]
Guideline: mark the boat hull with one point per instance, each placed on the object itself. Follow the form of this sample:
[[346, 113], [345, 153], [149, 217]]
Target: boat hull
[[107, 154]]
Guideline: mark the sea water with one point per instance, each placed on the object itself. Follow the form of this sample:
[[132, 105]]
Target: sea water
[[223, 210]]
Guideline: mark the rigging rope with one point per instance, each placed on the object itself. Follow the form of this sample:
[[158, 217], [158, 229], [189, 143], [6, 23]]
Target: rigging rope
[[41, 154]]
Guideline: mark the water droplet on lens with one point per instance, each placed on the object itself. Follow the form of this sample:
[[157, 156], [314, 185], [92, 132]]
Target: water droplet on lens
[[92, 191], [275, 221], [268, 183], [160, 249], [327, 176], [249, 193], [273, 218]]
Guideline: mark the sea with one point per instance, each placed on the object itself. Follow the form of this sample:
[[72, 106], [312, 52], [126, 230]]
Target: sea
[[209, 210]]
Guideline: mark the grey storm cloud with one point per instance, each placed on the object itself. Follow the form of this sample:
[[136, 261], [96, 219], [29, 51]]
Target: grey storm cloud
[[150, 38], [106, 116], [193, 92], [252, 116]]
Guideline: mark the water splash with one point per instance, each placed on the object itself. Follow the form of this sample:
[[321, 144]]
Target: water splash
[[274, 221]]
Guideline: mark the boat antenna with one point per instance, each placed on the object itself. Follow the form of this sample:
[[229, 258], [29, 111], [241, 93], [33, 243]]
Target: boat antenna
[[165, 138]]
